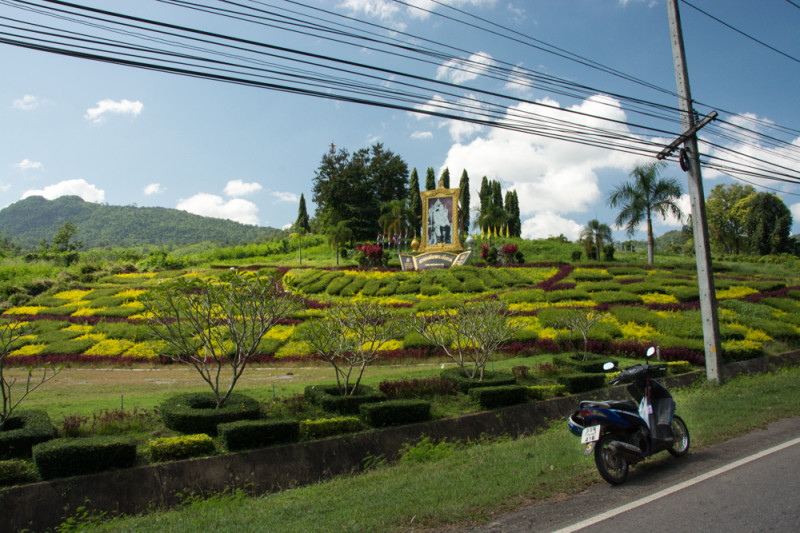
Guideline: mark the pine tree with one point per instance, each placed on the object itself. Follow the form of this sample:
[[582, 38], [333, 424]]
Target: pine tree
[[485, 196], [445, 178], [430, 179], [497, 194], [464, 201], [512, 212], [414, 204], [301, 224]]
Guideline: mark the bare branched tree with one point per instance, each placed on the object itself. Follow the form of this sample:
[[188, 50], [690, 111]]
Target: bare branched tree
[[349, 337], [469, 333], [213, 323], [11, 331], [580, 321]]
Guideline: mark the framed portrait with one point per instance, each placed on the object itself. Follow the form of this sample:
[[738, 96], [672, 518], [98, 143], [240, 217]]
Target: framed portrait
[[440, 220]]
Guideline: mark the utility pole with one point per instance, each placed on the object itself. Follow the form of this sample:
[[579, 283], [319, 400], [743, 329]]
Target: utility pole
[[705, 275]]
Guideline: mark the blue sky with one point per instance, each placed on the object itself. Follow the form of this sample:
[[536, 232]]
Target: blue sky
[[126, 136]]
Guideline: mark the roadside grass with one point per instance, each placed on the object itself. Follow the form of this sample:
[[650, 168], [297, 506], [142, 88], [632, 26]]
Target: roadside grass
[[473, 482]]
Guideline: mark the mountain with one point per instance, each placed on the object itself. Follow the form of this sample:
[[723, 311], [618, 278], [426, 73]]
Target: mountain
[[110, 226]]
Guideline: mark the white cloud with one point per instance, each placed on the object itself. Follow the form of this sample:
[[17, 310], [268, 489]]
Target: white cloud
[[685, 203], [795, 209], [27, 164], [519, 81], [153, 188], [81, 188], [549, 175], [286, 227], [548, 224], [210, 205], [237, 188], [460, 70], [26, 103], [458, 129], [289, 197], [422, 135], [123, 107]]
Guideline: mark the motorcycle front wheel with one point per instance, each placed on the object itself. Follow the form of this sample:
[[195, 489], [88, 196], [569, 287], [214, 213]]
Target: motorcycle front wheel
[[612, 468], [680, 433]]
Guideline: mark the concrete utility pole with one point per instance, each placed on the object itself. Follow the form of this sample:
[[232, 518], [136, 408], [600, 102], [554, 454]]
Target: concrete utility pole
[[705, 275]]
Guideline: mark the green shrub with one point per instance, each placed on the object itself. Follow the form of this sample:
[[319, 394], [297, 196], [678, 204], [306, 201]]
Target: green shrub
[[494, 397], [544, 392], [23, 430], [615, 297], [523, 296], [575, 383], [684, 294], [68, 347], [325, 427], [601, 286], [17, 472], [329, 398], [412, 339], [195, 412], [395, 412], [337, 285], [593, 365], [567, 294], [678, 367], [425, 451], [490, 379], [181, 447], [766, 286], [590, 275], [74, 457], [247, 434]]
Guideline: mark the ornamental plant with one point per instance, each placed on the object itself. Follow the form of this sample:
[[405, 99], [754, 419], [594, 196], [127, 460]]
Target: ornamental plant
[[213, 323], [509, 252], [370, 255]]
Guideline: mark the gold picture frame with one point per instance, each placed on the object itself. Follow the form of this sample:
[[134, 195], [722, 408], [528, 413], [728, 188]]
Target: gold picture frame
[[440, 221]]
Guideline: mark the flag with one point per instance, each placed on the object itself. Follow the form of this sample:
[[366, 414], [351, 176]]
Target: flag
[[378, 240], [405, 241], [506, 231]]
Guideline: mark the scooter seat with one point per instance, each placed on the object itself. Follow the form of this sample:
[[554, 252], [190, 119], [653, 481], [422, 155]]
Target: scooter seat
[[622, 405]]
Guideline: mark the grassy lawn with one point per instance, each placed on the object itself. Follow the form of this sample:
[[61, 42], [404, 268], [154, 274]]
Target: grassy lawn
[[466, 484]]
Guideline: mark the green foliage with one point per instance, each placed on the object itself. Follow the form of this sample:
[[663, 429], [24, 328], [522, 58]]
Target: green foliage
[[23, 430], [17, 472], [247, 434], [426, 451], [198, 412], [326, 427], [615, 297], [594, 365], [331, 399], [499, 396], [544, 392], [395, 412], [181, 447], [490, 379], [576, 383], [74, 457]]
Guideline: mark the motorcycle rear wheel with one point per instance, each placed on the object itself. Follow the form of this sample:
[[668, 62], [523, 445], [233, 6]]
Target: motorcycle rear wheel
[[613, 469], [680, 433]]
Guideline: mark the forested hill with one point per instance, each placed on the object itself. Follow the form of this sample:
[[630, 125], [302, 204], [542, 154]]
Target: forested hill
[[30, 220]]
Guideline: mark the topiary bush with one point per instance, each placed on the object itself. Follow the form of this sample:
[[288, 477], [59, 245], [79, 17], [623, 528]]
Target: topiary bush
[[575, 383], [247, 434], [490, 379], [395, 412], [23, 430], [330, 398], [17, 472], [181, 447], [195, 412], [415, 388], [494, 397], [74, 457], [544, 392], [325, 427]]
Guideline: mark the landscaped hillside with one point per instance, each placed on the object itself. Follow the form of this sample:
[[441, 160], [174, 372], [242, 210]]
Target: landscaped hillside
[[35, 218]]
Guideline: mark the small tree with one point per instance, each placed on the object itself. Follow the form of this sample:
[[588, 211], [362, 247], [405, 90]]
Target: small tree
[[11, 331], [595, 234], [338, 235], [302, 222], [211, 323], [349, 337], [580, 321], [469, 333]]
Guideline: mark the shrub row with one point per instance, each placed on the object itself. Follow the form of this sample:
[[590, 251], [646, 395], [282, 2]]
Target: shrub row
[[330, 399], [494, 397], [196, 412], [326, 427], [23, 430], [395, 412], [181, 447], [72, 457], [247, 434], [17, 471], [490, 379]]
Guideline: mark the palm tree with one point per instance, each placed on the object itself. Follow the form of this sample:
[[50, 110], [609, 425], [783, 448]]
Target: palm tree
[[645, 195], [394, 217], [338, 235], [492, 217], [595, 233]]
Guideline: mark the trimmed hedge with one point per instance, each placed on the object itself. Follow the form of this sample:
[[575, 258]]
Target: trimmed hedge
[[330, 399], [593, 365], [325, 427], [181, 447], [544, 392], [490, 379], [194, 412], [247, 434], [23, 430], [17, 472], [582, 382], [74, 457], [395, 412], [494, 397]]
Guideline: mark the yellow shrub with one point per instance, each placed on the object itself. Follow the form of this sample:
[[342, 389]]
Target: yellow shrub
[[24, 310], [75, 294], [28, 349], [735, 292], [294, 348], [130, 293], [144, 350], [88, 311], [658, 298], [281, 333]]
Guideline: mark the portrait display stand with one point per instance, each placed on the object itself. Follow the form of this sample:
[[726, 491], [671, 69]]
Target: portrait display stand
[[440, 245]]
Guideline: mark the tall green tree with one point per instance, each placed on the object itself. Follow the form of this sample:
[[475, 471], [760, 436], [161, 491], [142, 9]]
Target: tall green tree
[[394, 217], [430, 179], [463, 200], [645, 195], [338, 236], [725, 225], [512, 211], [445, 178], [497, 194], [595, 234], [351, 188], [302, 216], [414, 205], [767, 222]]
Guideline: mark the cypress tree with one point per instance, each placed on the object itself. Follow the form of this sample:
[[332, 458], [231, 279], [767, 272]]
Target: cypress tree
[[464, 201], [485, 195], [445, 178], [430, 179], [497, 194], [414, 204], [301, 224]]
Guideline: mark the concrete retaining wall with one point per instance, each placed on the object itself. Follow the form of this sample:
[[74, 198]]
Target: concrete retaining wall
[[40, 506]]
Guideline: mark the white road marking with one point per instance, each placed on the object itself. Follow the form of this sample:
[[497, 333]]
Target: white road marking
[[675, 488]]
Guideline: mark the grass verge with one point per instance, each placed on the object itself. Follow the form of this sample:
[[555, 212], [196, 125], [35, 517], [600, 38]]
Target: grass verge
[[467, 484]]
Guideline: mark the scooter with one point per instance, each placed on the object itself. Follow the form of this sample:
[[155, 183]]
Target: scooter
[[621, 433]]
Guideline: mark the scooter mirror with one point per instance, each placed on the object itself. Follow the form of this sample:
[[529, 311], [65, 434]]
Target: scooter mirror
[[651, 351], [608, 366]]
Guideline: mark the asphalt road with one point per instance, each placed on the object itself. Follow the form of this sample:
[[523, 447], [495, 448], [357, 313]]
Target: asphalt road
[[748, 484]]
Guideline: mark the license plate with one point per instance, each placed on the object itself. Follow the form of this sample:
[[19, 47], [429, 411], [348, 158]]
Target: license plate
[[590, 434]]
